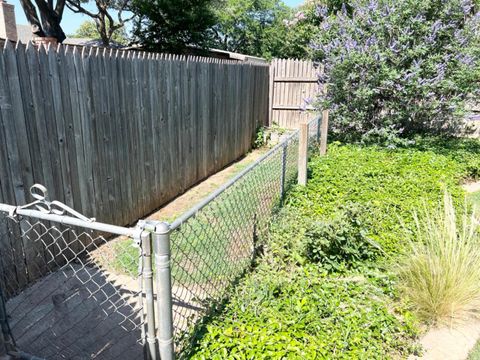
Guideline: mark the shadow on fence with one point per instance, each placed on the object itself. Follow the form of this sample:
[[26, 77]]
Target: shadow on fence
[[60, 301]]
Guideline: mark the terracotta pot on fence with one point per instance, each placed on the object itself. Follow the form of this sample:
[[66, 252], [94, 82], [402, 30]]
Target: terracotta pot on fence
[[45, 41]]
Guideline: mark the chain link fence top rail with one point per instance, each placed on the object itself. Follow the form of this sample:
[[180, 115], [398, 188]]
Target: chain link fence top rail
[[60, 300], [214, 243]]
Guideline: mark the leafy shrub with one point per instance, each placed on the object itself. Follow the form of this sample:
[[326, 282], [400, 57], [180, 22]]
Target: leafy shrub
[[341, 240], [440, 273], [292, 308], [464, 151], [398, 67], [259, 140], [390, 183], [304, 314]]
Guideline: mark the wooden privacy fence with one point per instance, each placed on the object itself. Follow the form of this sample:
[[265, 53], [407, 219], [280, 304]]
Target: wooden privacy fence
[[117, 134], [291, 83]]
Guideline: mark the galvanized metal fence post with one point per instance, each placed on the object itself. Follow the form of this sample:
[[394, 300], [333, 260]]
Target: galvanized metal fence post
[[303, 154], [164, 291], [147, 276]]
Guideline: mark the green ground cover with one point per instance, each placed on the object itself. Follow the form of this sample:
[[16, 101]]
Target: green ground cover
[[325, 288], [475, 353]]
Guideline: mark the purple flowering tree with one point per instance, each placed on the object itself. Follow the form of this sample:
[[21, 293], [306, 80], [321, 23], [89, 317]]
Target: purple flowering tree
[[396, 68]]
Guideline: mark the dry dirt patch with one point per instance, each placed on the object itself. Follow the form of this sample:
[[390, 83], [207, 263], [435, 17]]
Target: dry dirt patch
[[185, 201], [453, 343], [471, 187]]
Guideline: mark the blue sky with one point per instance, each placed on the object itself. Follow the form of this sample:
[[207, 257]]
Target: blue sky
[[72, 21], [293, 2]]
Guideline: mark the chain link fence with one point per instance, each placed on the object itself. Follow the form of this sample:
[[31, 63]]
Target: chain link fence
[[59, 299], [214, 243], [68, 292], [314, 133]]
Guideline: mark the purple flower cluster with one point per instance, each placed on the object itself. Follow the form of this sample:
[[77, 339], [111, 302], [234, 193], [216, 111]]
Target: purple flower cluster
[[395, 69], [321, 11]]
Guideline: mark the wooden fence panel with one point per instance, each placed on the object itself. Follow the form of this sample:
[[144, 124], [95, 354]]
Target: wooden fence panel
[[115, 134], [292, 82]]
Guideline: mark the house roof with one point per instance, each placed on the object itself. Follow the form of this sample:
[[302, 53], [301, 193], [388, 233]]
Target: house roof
[[237, 56], [223, 54], [24, 33], [89, 42]]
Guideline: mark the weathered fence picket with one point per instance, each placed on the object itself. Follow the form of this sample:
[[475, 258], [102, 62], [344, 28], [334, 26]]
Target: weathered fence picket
[[292, 83], [117, 134], [120, 133]]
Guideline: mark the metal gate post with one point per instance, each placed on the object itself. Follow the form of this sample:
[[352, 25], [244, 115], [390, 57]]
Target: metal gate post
[[147, 276], [164, 291]]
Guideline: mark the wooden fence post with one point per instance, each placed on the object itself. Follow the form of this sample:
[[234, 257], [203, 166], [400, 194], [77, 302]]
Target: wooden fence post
[[324, 133], [271, 87], [284, 170], [303, 154]]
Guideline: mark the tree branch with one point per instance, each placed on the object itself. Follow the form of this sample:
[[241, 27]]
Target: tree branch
[[42, 6], [32, 17], [120, 12], [44, 19], [79, 9], [59, 8], [104, 21]]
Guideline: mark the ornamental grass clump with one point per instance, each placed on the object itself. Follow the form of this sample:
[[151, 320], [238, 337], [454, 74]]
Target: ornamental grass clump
[[440, 271]]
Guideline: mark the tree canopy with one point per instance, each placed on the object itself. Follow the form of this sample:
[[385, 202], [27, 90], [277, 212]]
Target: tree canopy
[[269, 28], [397, 68], [251, 27], [172, 25], [265, 28], [88, 29], [107, 25]]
